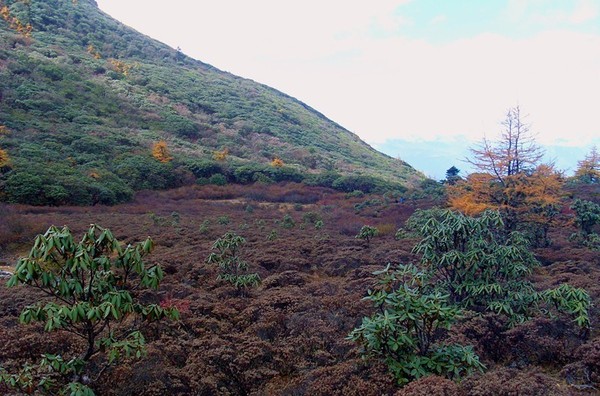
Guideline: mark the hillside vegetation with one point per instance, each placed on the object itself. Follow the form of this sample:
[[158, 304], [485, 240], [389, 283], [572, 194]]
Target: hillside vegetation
[[84, 99]]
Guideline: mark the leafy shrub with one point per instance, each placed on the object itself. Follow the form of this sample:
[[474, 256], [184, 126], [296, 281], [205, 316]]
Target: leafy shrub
[[90, 286], [24, 187], [366, 184], [311, 217], [587, 215], [175, 218], [288, 222], [223, 220], [262, 178], [323, 179], [157, 220], [204, 227], [367, 204], [266, 174], [202, 181], [218, 180], [204, 168], [286, 174], [35, 184], [272, 235], [405, 332], [181, 126], [479, 267], [232, 268], [355, 194], [367, 233], [249, 173], [144, 173]]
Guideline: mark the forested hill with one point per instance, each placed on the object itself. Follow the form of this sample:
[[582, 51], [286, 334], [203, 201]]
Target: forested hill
[[85, 100]]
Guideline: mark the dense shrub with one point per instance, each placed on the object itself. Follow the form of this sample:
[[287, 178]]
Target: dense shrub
[[89, 285], [204, 168], [255, 173], [233, 269], [587, 215], [366, 184], [406, 330], [180, 126], [482, 268], [142, 172], [323, 179], [60, 185], [217, 180], [367, 233]]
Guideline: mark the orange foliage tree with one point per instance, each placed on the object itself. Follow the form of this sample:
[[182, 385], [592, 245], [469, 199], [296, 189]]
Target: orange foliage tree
[[4, 158], [161, 152], [15, 23], [93, 51], [277, 162], [221, 155], [120, 66], [510, 178]]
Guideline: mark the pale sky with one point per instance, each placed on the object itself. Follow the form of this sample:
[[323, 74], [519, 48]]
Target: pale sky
[[402, 70]]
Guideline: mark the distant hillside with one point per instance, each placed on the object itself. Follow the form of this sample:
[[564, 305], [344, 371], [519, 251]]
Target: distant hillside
[[84, 99]]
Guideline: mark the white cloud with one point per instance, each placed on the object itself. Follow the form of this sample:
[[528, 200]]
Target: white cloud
[[389, 87], [552, 13], [438, 19], [585, 10]]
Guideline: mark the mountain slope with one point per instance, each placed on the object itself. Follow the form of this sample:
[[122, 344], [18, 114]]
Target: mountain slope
[[84, 99]]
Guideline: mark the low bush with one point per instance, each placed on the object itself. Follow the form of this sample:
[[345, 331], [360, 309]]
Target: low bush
[[233, 269]]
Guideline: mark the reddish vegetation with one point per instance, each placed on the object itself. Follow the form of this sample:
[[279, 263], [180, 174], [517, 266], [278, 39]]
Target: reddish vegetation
[[288, 336]]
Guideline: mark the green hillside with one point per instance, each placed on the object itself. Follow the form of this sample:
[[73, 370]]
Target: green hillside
[[84, 98]]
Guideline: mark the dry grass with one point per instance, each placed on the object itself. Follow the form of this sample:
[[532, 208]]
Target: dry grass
[[288, 336]]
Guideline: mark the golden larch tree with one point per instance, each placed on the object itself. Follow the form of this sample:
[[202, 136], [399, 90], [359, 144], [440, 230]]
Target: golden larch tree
[[4, 158], [15, 23], [510, 178], [277, 162], [161, 152], [93, 51], [221, 155]]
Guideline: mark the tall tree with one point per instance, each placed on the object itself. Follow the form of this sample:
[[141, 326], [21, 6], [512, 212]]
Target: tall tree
[[588, 169], [161, 152], [516, 150], [4, 158], [511, 178], [452, 175]]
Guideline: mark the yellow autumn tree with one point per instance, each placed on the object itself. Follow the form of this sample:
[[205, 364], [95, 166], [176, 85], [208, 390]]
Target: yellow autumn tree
[[277, 162], [161, 152], [93, 51], [4, 158], [511, 178], [472, 195], [15, 23], [120, 66], [221, 155]]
